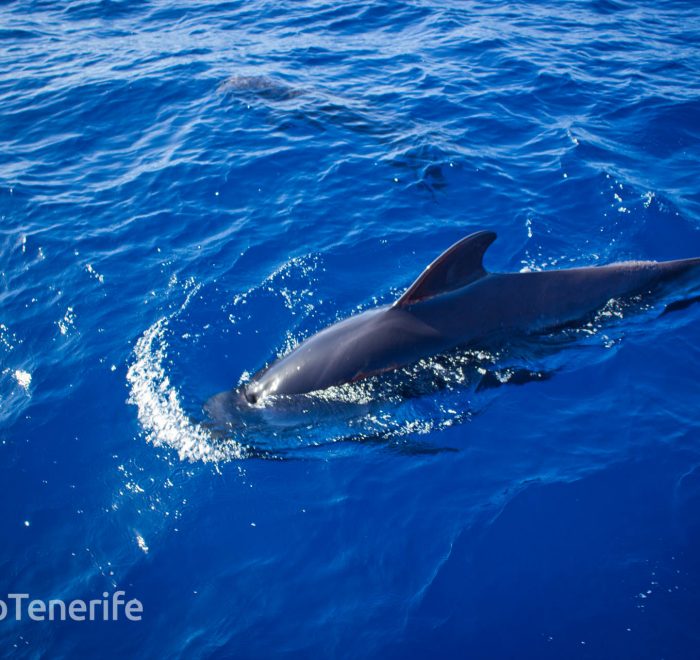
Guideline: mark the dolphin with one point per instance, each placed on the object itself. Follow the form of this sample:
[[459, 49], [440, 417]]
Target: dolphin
[[454, 303], [260, 86]]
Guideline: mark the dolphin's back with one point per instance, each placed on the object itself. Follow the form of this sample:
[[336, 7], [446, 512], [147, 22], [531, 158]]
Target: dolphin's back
[[538, 300]]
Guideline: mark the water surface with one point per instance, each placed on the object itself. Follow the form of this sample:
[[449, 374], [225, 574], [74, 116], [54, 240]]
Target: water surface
[[188, 191]]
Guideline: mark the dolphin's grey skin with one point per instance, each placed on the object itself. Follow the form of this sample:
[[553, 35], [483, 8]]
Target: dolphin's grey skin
[[454, 302]]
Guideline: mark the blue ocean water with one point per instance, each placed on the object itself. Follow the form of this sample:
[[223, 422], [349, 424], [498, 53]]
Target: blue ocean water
[[189, 189]]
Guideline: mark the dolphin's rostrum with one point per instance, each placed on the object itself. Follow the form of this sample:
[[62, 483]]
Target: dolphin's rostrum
[[455, 302]]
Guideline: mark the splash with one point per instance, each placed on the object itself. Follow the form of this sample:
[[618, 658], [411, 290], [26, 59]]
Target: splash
[[160, 412], [67, 323], [23, 378]]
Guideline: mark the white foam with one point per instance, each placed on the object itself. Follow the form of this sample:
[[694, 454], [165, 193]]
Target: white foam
[[160, 412], [141, 542], [23, 378], [67, 323]]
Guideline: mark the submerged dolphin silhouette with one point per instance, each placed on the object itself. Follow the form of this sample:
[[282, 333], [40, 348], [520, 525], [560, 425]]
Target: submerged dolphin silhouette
[[454, 302]]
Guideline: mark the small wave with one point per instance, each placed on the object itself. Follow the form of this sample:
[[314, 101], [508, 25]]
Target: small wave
[[160, 412]]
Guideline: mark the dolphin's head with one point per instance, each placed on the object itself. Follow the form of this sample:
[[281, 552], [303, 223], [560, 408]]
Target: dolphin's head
[[241, 403], [342, 353], [243, 406], [247, 410], [226, 408]]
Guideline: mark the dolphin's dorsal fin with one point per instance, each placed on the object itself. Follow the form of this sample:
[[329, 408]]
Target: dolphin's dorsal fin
[[454, 268]]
